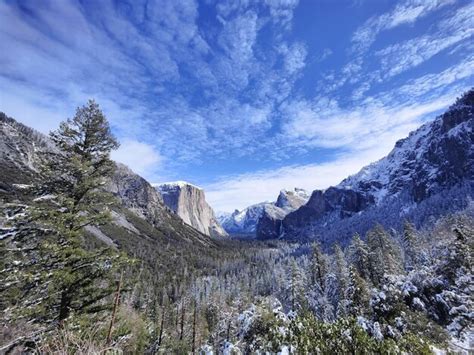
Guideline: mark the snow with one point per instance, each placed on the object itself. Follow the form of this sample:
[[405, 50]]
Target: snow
[[206, 350], [7, 234], [379, 174], [376, 331], [173, 185], [22, 186], [418, 304], [45, 198], [230, 349], [455, 131]]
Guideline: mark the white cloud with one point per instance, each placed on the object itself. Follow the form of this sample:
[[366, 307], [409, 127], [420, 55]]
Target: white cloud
[[365, 136], [323, 123], [294, 56], [429, 82], [141, 157], [405, 55], [404, 13]]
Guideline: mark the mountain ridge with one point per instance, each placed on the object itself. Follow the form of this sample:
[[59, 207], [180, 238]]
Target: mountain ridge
[[437, 158]]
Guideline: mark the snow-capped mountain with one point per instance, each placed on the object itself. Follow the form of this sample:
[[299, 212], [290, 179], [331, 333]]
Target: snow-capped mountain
[[427, 174], [189, 202], [269, 223], [243, 222], [246, 222]]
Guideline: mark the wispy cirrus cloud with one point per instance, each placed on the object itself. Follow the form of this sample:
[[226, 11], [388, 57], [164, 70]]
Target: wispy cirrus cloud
[[152, 57], [190, 83], [404, 13], [405, 55]]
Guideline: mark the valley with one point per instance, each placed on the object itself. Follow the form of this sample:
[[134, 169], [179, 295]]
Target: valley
[[381, 261]]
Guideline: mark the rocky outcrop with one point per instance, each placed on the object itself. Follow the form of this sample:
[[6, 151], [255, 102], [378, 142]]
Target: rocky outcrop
[[21, 150], [438, 155], [427, 174], [189, 203], [339, 203], [136, 194]]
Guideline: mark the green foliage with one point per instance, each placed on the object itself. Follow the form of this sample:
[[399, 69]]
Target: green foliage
[[359, 256], [345, 336], [357, 294], [410, 243], [54, 274], [264, 332]]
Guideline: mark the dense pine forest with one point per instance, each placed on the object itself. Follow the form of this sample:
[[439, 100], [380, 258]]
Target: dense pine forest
[[64, 290]]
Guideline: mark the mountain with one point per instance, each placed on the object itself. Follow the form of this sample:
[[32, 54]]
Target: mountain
[[140, 216], [243, 222], [428, 174], [20, 153], [189, 203], [246, 222], [269, 223]]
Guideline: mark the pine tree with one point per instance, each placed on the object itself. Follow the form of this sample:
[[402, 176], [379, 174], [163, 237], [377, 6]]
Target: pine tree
[[59, 276], [295, 286], [458, 260], [359, 256], [383, 255], [357, 295], [342, 275]]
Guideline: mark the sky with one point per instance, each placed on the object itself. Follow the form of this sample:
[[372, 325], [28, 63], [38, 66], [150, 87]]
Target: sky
[[242, 98]]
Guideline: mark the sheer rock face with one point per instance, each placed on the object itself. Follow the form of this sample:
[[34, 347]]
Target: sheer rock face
[[21, 150], [434, 160], [189, 203]]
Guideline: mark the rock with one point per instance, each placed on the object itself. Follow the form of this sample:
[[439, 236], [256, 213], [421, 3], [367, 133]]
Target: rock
[[189, 203]]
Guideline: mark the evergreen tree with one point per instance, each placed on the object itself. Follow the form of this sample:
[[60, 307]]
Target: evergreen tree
[[458, 261], [357, 294], [294, 287], [359, 256], [341, 273], [58, 274], [383, 255]]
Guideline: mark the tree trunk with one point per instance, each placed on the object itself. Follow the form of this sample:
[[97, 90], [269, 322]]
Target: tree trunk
[[114, 311], [162, 323], [181, 333]]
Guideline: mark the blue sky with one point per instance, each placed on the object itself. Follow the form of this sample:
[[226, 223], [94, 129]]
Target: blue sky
[[243, 98]]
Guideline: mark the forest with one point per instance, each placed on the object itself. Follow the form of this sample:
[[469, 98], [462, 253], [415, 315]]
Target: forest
[[63, 291]]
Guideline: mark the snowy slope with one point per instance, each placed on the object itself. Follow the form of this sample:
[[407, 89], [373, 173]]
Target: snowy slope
[[427, 174]]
